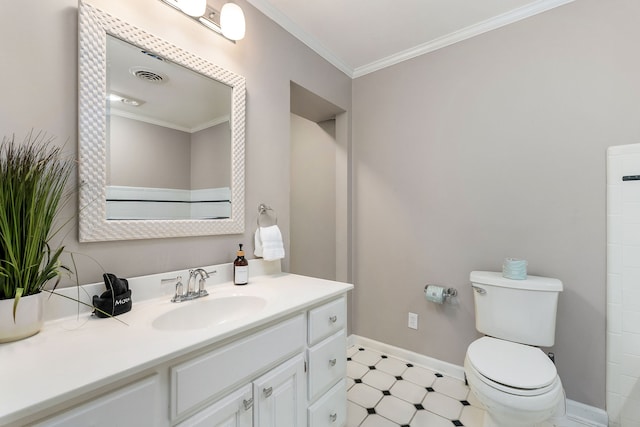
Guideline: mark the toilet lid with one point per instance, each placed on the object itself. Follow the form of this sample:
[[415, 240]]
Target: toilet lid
[[511, 364]]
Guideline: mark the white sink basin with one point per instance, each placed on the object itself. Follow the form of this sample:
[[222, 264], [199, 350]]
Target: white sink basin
[[203, 313]]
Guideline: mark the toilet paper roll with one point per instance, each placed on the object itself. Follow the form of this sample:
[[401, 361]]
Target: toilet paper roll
[[435, 293]]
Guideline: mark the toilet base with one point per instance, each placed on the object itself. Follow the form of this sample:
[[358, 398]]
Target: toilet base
[[490, 421], [508, 410], [557, 418]]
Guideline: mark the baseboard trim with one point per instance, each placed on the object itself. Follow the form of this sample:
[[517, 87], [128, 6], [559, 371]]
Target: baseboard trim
[[586, 415], [448, 369], [577, 413]]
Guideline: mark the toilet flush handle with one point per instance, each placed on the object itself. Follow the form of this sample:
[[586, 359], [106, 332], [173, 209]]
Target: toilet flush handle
[[479, 290]]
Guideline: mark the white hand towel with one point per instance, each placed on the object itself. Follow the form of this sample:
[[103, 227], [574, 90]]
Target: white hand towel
[[257, 244], [270, 242]]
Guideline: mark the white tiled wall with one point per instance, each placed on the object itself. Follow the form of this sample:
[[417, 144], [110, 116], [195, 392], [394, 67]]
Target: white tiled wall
[[623, 287]]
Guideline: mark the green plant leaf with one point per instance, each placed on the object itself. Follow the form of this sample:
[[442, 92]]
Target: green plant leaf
[[15, 302], [33, 189]]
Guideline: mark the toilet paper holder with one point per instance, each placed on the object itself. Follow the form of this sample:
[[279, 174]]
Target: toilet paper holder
[[439, 294]]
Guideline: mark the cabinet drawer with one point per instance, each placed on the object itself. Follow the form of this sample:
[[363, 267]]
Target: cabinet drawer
[[331, 409], [200, 379], [327, 319], [327, 364], [132, 405]]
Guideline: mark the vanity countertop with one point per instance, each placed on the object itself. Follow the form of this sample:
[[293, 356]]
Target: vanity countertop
[[74, 355]]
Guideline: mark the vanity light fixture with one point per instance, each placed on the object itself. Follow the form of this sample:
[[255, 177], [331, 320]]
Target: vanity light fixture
[[228, 22], [195, 8], [232, 21]]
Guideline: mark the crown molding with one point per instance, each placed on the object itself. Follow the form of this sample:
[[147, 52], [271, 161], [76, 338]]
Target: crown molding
[[502, 20], [279, 18], [463, 34]]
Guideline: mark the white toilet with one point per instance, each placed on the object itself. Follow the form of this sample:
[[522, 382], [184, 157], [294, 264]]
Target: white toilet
[[516, 381]]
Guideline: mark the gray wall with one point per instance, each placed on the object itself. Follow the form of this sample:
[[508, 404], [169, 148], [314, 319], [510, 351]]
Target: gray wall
[[313, 198], [210, 157], [146, 155], [39, 85], [491, 148]]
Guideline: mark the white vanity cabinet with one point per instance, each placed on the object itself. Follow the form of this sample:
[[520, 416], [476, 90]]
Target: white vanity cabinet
[[288, 373], [276, 399], [201, 379], [302, 391]]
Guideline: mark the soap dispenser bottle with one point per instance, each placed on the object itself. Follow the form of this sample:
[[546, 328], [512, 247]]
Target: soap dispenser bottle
[[240, 269]]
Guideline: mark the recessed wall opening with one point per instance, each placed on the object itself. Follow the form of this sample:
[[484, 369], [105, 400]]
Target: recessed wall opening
[[319, 226]]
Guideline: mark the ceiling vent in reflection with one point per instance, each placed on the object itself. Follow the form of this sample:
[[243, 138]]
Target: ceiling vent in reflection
[[148, 75]]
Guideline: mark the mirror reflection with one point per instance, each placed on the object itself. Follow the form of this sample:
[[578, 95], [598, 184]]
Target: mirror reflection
[[168, 139]]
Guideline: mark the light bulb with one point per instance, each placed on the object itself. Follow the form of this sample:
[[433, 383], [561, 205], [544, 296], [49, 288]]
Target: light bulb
[[193, 7], [232, 21]]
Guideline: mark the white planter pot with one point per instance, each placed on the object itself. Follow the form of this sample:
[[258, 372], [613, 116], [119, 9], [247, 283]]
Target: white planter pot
[[28, 321]]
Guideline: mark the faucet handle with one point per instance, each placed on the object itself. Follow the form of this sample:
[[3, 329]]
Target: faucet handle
[[179, 295], [201, 290]]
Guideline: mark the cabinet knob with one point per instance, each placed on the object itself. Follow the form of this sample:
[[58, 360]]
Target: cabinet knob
[[267, 391], [333, 319], [332, 362], [333, 417], [248, 403]]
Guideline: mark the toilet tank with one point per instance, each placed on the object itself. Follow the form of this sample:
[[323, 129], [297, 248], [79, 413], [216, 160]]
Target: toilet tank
[[522, 311]]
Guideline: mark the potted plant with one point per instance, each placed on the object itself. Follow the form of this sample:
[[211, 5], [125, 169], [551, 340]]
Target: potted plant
[[33, 180]]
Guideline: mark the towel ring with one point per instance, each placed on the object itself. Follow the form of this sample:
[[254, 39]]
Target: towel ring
[[263, 210]]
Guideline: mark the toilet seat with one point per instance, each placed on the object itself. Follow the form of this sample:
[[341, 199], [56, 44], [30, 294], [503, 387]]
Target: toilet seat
[[511, 367]]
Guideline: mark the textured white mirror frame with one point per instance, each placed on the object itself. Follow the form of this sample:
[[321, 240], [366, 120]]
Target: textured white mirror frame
[[94, 25]]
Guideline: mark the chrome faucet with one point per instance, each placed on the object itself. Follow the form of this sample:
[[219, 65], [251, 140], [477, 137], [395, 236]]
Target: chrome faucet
[[203, 277], [190, 293]]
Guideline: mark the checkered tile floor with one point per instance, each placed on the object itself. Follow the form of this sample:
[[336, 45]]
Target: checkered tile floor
[[384, 391]]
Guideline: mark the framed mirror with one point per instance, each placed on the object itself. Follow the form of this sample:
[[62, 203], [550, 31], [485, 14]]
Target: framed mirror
[[161, 137]]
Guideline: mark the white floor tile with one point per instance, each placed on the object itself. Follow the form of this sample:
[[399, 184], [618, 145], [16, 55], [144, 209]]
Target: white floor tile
[[364, 395], [405, 387], [352, 350], [397, 410], [355, 414], [420, 376], [451, 387], [408, 391], [367, 357], [356, 370], [377, 421], [429, 419], [442, 405], [392, 366], [378, 379]]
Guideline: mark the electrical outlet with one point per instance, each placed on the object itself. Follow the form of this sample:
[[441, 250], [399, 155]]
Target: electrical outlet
[[413, 320]]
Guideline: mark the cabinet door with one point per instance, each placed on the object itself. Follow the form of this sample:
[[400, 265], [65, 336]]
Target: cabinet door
[[279, 396], [234, 410]]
